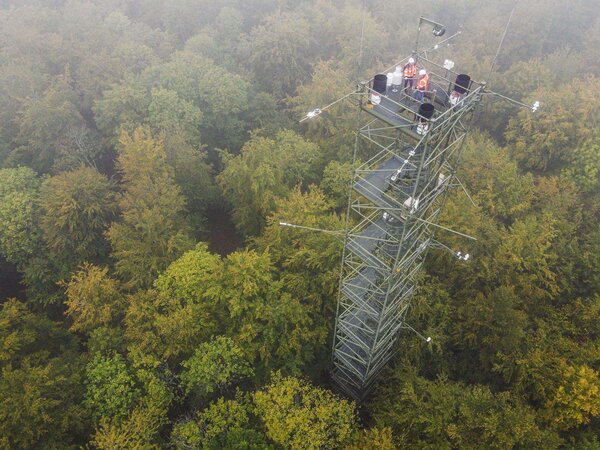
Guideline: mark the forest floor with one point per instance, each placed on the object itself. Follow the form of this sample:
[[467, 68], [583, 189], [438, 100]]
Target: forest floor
[[223, 238]]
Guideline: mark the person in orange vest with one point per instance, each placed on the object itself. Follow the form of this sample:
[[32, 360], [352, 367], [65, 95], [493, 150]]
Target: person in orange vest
[[410, 71], [422, 85]]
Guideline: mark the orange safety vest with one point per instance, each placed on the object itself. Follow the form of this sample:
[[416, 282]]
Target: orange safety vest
[[410, 70], [423, 83]]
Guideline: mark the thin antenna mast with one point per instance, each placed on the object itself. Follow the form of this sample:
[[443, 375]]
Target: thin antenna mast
[[536, 104], [362, 40], [488, 79]]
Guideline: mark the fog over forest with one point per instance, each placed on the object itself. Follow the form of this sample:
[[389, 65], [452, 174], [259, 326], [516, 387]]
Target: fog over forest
[[150, 297]]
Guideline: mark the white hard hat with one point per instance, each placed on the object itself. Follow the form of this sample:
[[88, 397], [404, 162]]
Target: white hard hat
[[422, 72], [411, 60]]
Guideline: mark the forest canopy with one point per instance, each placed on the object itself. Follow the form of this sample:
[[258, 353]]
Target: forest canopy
[[149, 297]]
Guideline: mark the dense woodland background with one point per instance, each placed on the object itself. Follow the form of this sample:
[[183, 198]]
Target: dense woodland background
[[134, 133]]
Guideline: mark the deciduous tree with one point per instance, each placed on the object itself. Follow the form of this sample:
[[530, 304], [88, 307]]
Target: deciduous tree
[[45, 123], [224, 424], [308, 261], [40, 382], [278, 52], [274, 328], [577, 400], [445, 414], [77, 208], [214, 366], [267, 169], [183, 311], [547, 140], [111, 390], [296, 413], [94, 299], [152, 231], [19, 215]]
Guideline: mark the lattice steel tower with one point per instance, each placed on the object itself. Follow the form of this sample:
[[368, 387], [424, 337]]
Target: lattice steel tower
[[414, 148]]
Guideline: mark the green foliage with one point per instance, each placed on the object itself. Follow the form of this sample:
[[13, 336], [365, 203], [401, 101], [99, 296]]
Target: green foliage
[[222, 417], [336, 182], [40, 406], [547, 140], [372, 438], [28, 336], [521, 78], [80, 147], [169, 113], [77, 208], [42, 276], [143, 413], [184, 17], [199, 296], [93, 299], [297, 415], [184, 309], [214, 366], [192, 174], [220, 95], [214, 40], [590, 260], [193, 277], [333, 129], [45, 123], [153, 231], [99, 71], [521, 256], [308, 262], [139, 430], [164, 327], [267, 169], [73, 211], [528, 252], [500, 188], [40, 382], [18, 81], [334, 27], [577, 399], [224, 424], [111, 391], [19, 214], [274, 329], [106, 340], [493, 326], [20, 179], [278, 52], [122, 107], [584, 167], [445, 414], [586, 444]]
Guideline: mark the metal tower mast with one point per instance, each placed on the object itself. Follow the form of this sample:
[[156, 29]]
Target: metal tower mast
[[395, 201]]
